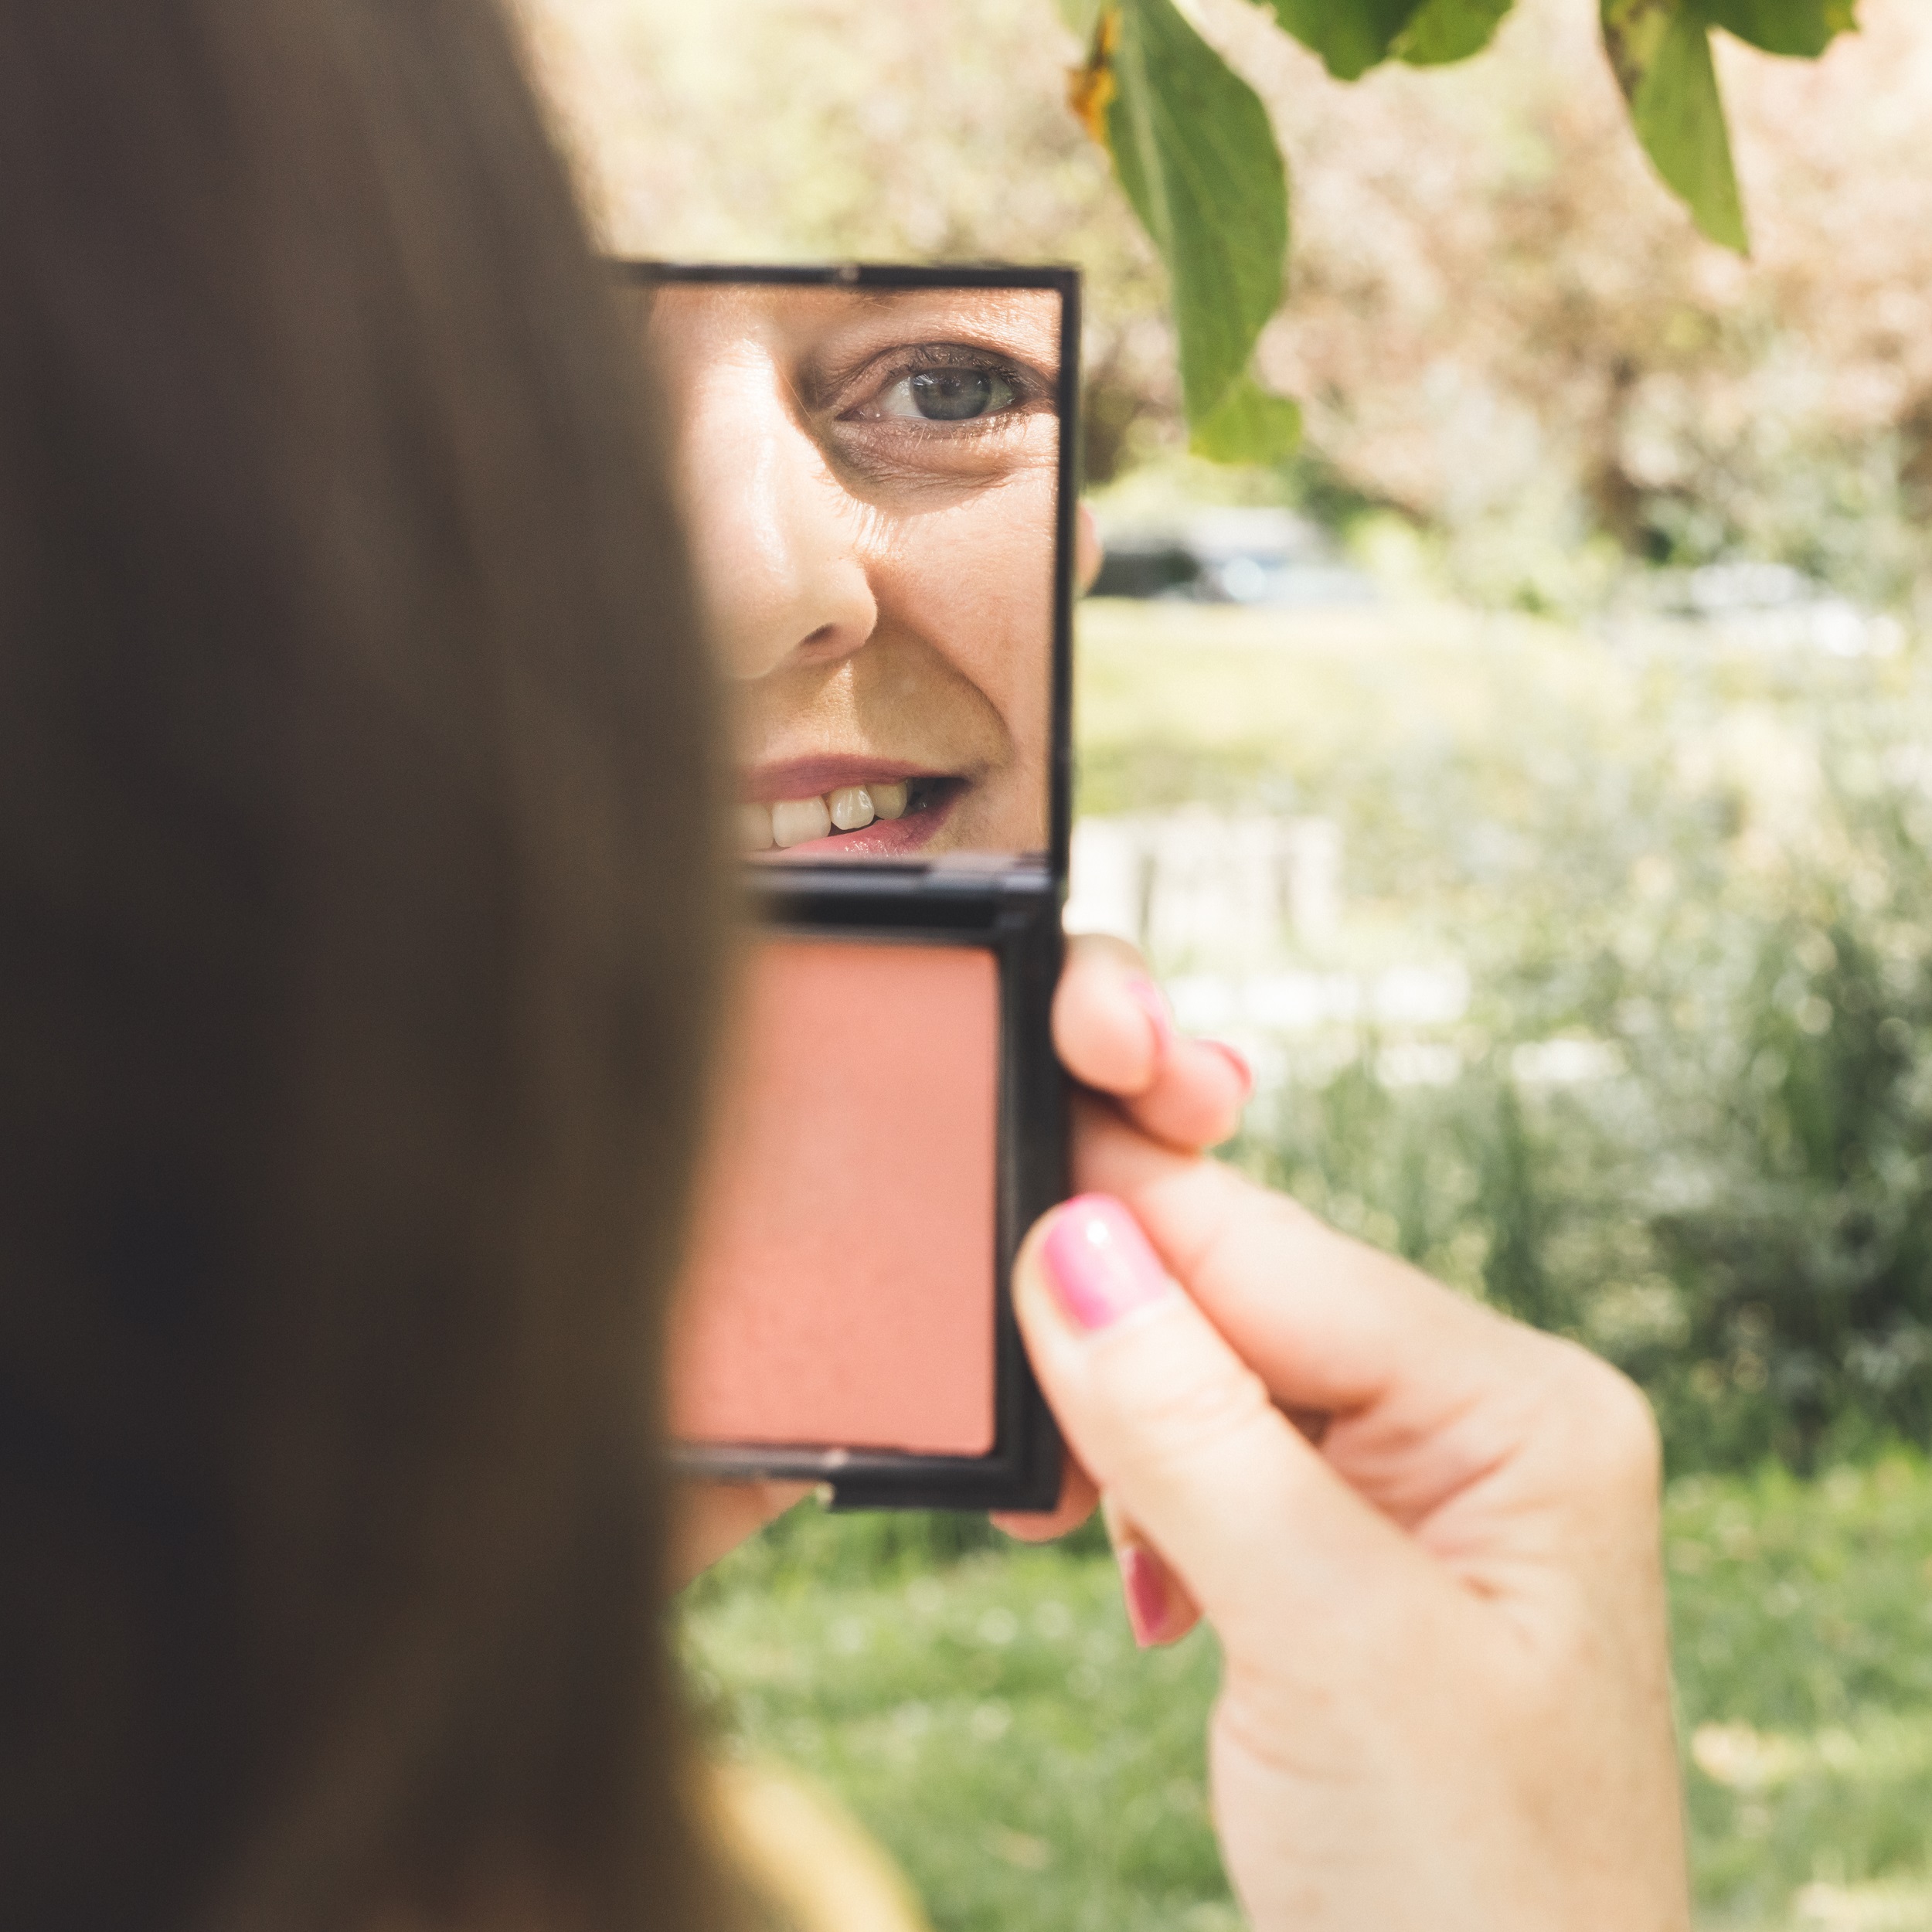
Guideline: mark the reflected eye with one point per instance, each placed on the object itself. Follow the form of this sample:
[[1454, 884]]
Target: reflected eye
[[948, 395]]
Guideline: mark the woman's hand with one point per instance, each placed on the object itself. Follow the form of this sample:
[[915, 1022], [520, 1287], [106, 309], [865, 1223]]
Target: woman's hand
[[1447, 1698], [1113, 1033]]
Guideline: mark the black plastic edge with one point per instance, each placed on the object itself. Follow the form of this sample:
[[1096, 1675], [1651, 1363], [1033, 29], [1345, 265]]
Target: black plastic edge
[[1015, 910]]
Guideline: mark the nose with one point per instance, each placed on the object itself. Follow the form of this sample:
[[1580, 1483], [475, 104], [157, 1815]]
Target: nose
[[776, 539]]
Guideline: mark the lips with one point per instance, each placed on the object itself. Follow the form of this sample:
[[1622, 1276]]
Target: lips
[[843, 807]]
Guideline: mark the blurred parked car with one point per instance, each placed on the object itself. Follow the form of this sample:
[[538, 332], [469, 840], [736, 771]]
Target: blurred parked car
[[1255, 557]]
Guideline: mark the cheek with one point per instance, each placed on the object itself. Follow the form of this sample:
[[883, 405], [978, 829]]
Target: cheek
[[975, 582]]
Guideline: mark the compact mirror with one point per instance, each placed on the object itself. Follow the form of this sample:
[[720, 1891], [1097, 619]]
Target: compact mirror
[[870, 474], [872, 464]]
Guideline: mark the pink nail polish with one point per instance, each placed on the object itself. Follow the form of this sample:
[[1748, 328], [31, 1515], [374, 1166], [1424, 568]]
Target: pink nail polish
[[1147, 996], [1238, 1061], [1099, 1263], [1144, 1589]]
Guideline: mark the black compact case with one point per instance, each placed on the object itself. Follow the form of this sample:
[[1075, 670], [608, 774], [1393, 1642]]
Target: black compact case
[[1009, 905]]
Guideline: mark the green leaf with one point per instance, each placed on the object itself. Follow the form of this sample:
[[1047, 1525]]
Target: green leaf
[[1248, 425], [1194, 153], [1351, 36], [1080, 16], [1661, 51], [1804, 28], [1445, 30]]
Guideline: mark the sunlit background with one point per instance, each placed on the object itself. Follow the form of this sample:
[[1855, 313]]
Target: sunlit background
[[1534, 778]]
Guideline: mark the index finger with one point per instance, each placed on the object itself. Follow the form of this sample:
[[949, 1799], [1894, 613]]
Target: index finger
[[1430, 1397], [1327, 1323]]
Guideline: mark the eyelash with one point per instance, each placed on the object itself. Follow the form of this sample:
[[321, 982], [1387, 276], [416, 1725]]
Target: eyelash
[[1025, 386]]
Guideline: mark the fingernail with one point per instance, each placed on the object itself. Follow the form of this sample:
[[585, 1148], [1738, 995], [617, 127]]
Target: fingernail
[[1144, 1589], [1099, 1263], [1147, 996], [1238, 1061]]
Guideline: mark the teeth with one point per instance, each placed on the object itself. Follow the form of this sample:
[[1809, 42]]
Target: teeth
[[795, 820], [851, 806]]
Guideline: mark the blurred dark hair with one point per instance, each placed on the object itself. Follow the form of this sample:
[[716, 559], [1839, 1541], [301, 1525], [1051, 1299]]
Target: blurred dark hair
[[358, 916]]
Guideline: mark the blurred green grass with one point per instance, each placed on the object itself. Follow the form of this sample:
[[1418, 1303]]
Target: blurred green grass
[[1803, 1629], [982, 1708]]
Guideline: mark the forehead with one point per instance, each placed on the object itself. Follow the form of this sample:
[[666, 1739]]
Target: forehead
[[812, 324]]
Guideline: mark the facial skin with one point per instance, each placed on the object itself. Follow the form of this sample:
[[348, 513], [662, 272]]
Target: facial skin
[[870, 478]]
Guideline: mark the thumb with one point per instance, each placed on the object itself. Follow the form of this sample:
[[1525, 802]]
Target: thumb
[[1182, 1433]]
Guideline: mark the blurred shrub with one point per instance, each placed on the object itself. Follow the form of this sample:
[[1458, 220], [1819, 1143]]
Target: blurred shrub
[[1687, 1113], [1741, 1215]]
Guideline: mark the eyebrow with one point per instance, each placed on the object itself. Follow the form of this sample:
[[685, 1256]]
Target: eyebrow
[[1034, 306], [912, 292]]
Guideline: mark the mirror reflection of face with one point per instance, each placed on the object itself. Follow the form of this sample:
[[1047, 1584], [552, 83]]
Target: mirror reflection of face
[[870, 479]]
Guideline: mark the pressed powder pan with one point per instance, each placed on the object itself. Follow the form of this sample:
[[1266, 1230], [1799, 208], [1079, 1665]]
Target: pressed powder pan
[[847, 1244]]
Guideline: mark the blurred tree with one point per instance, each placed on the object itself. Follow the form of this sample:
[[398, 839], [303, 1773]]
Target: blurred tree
[[1193, 149], [1496, 327]]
